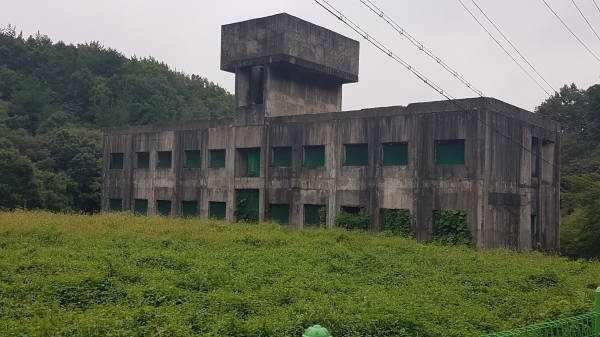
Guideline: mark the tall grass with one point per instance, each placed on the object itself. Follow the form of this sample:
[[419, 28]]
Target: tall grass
[[120, 275]]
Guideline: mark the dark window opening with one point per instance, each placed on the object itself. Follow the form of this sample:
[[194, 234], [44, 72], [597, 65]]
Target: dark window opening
[[115, 205], [246, 206], [163, 207], [315, 215], [189, 209], [535, 157], [217, 210], [352, 209], [116, 161], [256, 85], [249, 162], [143, 160], [395, 154], [192, 159], [282, 156], [357, 154], [533, 223], [280, 213], [140, 206], [217, 158], [164, 159], [314, 156], [450, 152]]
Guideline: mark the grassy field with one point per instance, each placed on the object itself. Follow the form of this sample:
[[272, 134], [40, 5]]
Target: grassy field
[[120, 275]]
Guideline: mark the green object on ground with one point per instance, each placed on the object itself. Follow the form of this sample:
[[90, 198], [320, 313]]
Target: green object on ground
[[316, 331]]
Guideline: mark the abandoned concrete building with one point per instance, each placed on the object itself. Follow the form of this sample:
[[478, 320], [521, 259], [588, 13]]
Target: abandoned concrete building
[[292, 147]]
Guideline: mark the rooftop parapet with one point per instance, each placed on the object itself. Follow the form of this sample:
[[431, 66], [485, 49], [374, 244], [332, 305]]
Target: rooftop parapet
[[285, 38]]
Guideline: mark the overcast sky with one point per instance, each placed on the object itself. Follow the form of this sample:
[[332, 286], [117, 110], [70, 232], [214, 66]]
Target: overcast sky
[[185, 34]]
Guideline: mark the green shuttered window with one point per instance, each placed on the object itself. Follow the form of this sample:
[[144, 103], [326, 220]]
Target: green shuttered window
[[280, 213], [217, 210], [192, 159], [450, 152], [143, 160], [252, 157], [163, 207], [282, 156], [164, 159], [116, 161], [314, 156], [395, 154], [217, 158], [140, 206], [189, 209], [357, 154], [311, 215], [116, 205]]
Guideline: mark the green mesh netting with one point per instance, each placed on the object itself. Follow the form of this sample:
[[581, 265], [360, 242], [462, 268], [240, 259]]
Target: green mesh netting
[[116, 161], [163, 207], [189, 209], [217, 210], [314, 155], [450, 152], [217, 158], [282, 156], [192, 159], [280, 213], [357, 154], [116, 205], [164, 159], [143, 160], [395, 154], [140, 206]]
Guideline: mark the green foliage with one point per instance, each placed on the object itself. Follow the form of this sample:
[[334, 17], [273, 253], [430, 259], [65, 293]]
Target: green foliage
[[450, 228], [120, 275], [396, 222], [54, 97], [359, 220], [323, 217], [246, 206]]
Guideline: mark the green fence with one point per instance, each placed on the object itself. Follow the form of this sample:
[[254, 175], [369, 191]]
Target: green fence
[[587, 325]]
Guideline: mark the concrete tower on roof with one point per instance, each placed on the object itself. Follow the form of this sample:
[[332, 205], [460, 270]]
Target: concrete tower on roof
[[291, 149]]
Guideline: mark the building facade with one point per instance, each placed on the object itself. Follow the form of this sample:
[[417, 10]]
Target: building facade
[[291, 147]]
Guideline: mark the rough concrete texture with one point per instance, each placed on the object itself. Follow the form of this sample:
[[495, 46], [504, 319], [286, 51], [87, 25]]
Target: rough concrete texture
[[511, 197]]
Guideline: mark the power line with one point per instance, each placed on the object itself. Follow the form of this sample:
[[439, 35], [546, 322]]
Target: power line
[[431, 84], [595, 5], [504, 49], [586, 20], [583, 44], [507, 40]]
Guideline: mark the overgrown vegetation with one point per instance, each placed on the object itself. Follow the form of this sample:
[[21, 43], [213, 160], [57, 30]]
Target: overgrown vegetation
[[54, 98], [246, 206], [358, 220], [396, 222], [121, 275], [450, 228]]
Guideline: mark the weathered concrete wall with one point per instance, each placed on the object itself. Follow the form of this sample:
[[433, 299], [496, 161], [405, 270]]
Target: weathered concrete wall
[[285, 38]]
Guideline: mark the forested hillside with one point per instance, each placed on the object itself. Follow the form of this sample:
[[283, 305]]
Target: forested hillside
[[579, 112], [54, 100]]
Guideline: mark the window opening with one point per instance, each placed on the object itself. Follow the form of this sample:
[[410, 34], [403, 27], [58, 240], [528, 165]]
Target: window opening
[[217, 158], [164, 159], [315, 215], [280, 213], [450, 152], [116, 161], [256, 85], [357, 154], [314, 156], [217, 210], [192, 159], [533, 225], [163, 207], [396, 221], [282, 156], [395, 154], [115, 205], [548, 156], [140, 206], [352, 209], [143, 160], [250, 162], [246, 205], [535, 168], [189, 209]]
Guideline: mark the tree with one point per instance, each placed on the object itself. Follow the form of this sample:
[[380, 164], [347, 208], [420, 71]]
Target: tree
[[18, 188]]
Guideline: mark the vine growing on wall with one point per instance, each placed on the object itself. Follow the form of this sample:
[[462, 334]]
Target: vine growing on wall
[[323, 217], [396, 222], [358, 220], [450, 227], [246, 207]]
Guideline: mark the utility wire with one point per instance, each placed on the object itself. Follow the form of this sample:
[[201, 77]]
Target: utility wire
[[595, 5], [431, 84], [586, 20], [515, 48], [504, 49], [583, 44]]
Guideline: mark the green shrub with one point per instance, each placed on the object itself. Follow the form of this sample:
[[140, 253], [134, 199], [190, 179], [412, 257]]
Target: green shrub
[[246, 206], [359, 220], [450, 228], [396, 222]]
